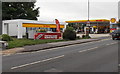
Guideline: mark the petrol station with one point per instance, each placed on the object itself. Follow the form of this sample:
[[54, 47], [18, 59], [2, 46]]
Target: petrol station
[[96, 26]]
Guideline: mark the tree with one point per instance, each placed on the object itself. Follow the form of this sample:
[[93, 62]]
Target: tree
[[19, 10]]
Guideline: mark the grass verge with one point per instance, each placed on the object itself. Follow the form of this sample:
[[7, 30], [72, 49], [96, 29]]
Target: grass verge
[[24, 42]]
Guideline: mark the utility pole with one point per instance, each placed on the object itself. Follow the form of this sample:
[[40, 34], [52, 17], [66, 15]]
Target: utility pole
[[0, 17], [119, 10]]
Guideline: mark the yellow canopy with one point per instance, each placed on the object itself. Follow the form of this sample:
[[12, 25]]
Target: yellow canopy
[[83, 21], [41, 25]]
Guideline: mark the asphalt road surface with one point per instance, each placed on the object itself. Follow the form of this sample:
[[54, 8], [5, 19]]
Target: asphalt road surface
[[98, 56]]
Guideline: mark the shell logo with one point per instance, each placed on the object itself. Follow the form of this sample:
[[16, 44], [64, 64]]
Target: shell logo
[[113, 20], [94, 26]]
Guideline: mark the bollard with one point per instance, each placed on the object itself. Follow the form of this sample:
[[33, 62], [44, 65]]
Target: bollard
[[4, 45]]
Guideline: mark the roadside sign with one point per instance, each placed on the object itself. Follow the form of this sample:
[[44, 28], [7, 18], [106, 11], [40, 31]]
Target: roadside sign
[[88, 23], [47, 36]]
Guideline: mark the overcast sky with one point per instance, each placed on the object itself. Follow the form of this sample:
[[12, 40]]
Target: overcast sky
[[65, 10]]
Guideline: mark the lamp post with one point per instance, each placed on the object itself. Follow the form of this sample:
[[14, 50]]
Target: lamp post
[[88, 21], [88, 9]]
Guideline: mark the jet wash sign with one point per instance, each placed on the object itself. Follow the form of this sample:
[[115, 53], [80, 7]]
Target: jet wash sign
[[48, 36]]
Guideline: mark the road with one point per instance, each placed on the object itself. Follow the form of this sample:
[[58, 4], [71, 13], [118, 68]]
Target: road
[[98, 56]]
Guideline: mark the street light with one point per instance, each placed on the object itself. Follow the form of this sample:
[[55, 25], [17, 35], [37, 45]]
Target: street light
[[88, 22], [88, 9]]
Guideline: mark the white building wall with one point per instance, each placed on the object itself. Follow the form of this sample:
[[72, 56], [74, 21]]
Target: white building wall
[[13, 29], [2, 27], [21, 30]]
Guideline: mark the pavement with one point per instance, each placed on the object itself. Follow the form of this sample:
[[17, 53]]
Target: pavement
[[95, 37]]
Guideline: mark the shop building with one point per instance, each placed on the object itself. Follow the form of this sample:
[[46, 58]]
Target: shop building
[[20, 27], [96, 26]]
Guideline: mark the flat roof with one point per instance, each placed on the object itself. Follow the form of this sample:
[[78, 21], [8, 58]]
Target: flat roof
[[32, 21]]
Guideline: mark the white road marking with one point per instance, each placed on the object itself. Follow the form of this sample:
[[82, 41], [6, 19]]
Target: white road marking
[[83, 51], [88, 49], [118, 64], [6, 55], [47, 50], [107, 44], [92, 48], [37, 62], [111, 43]]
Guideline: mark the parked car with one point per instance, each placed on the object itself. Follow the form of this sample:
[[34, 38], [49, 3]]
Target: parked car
[[116, 34]]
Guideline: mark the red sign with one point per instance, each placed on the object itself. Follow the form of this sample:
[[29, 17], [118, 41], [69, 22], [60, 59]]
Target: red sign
[[112, 29], [99, 20], [48, 36], [58, 25]]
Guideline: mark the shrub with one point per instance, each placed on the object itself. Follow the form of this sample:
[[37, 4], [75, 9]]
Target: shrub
[[6, 37], [86, 36], [78, 37], [0, 37], [69, 34], [83, 36]]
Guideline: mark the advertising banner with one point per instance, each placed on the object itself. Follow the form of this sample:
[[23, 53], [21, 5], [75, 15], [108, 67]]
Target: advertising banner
[[58, 25], [48, 36]]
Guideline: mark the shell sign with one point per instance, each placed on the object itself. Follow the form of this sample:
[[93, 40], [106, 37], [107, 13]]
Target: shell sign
[[113, 20], [94, 26]]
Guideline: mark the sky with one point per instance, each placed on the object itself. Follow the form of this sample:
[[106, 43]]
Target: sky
[[65, 10]]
